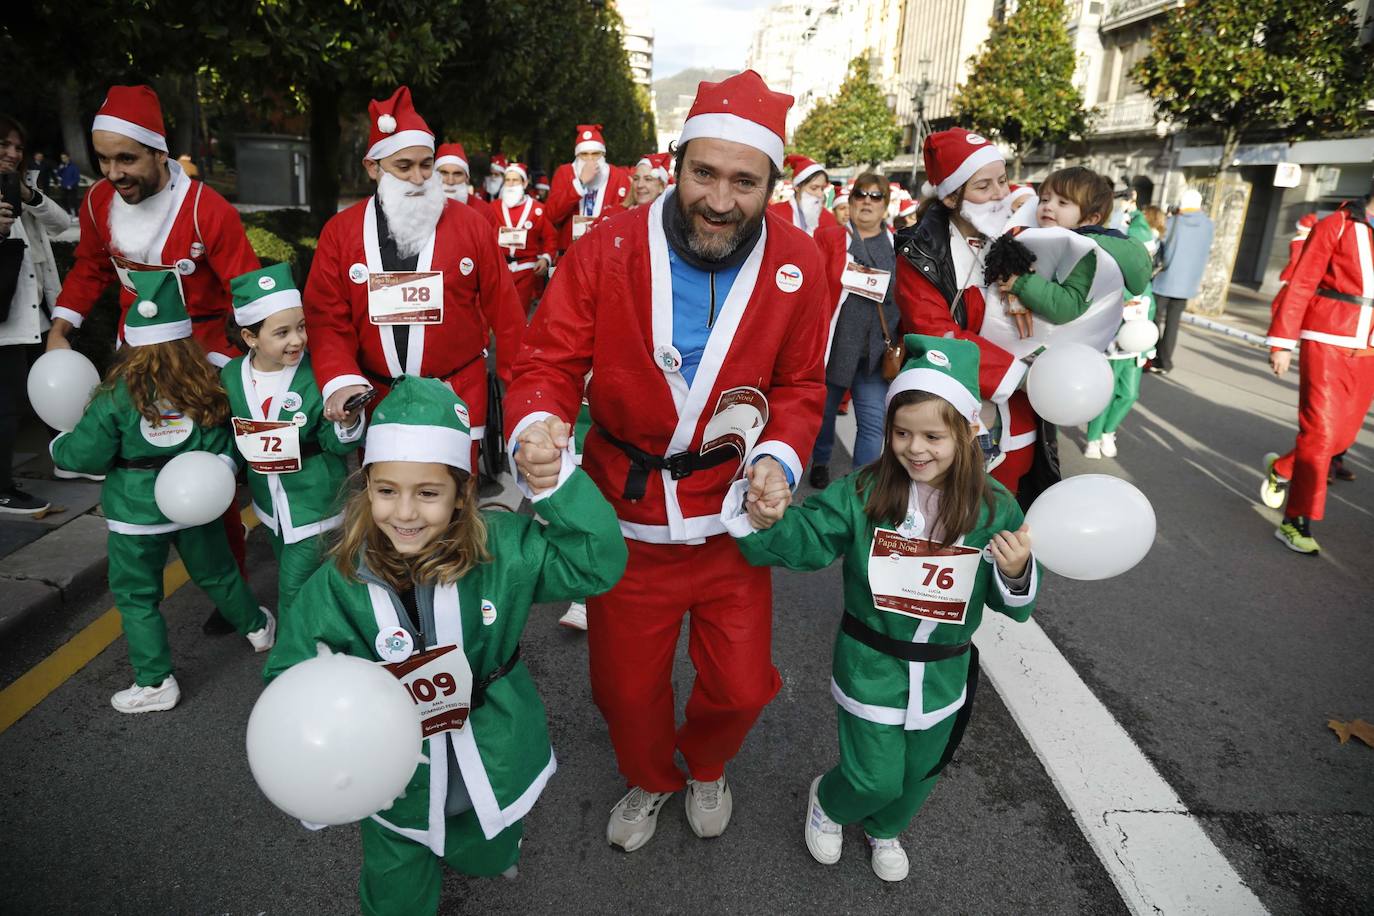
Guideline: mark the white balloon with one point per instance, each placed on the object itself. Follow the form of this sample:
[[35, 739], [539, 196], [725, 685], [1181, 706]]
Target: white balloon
[[194, 488], [1070, 383], [60, 386], [1137, 336], [1092, 526], [334, 739]]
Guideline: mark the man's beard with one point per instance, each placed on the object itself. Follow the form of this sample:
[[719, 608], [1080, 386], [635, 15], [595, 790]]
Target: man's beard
[[134, 227], [493, 184], [990, 217], [512, 196], [716, 246], [411, 211], [458, 192]]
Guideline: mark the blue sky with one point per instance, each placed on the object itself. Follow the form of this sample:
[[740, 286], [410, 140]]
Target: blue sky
[[702, 33]]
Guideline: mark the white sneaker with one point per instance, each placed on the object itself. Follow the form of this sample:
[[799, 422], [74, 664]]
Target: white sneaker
[[889, 859], [148, 699], [1093, 449], [709, 805], [634, 818], [265, 636], [1109, 445], [824, 837], [575, 617], [64, 474]]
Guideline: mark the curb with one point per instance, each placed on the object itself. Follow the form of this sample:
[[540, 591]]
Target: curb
[[63, 566]]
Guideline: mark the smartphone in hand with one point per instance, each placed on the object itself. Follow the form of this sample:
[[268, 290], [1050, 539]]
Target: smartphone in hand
[[10, 192]]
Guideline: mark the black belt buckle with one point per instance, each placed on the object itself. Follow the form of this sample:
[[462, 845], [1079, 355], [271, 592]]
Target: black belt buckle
[[679, 465]]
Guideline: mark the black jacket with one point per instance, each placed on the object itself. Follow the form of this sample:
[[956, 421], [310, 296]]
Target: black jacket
[[925, 246]]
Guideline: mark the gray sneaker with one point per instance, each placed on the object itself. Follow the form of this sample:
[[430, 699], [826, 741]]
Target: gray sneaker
[[709, 805], [634, 818]]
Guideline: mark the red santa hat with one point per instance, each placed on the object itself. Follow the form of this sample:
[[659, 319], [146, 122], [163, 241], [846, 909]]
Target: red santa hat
[[498, 164], [519, 168], [451, 154], [541, 182], [659, 166], [1306, 224], [952, 156], [133, 112], [395, 125], [907, 205], [589, 139], [841, 198], [802, 168], [741, 109]]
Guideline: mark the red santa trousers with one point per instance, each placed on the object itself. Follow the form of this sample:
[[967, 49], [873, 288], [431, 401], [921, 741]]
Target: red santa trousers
[[632, 634], [1335, 388], [1018, 461]]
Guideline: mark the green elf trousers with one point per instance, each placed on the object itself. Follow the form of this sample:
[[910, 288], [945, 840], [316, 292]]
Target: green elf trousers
[[883, 775], [1125, 391], [136, 569], [295, 563], [402, 877]]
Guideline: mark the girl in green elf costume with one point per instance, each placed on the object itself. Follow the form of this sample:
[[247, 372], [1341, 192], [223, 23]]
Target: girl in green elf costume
[[927, 540], [295, 458], [421, 576], [160, 399]]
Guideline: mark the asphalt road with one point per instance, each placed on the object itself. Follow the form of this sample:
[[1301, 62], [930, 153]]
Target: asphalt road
[[1222, 655]]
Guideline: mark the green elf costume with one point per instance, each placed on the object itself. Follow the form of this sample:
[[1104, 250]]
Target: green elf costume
[[113, 439], [904, 669], [1127, 368], [466, 804], [294, 457]]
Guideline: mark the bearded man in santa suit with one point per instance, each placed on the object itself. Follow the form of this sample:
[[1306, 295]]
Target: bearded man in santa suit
[[806, 210], [408, 282], [588, 190], [495, 180], [451, 162], [146, 213], [526, 235], [702, 322]]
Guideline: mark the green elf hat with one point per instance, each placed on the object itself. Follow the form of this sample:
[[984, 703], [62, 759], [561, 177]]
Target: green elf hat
[[421, 420], [158, 314], [945, 366], [259, 294]]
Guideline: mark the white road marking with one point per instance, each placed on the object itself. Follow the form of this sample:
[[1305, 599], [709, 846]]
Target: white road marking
[[1158, 856]]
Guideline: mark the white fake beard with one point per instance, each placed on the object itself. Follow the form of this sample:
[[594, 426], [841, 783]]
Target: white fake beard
[[990, 217], [810, 206], [512, 197], [411, 212], [458, 192], [134, 227], [493, 184], [603, 170]]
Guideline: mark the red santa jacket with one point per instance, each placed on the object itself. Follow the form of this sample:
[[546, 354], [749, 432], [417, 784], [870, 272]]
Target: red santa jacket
[[346, 347], [565, 199], [541, 239], [609, 310], [787, 209], [1338, 258], [204, 242]]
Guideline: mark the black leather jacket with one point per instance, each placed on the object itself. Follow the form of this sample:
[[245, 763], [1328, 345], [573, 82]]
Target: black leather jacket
[[925, 246]]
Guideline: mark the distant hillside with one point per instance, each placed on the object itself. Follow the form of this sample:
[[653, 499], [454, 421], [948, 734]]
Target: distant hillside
[[667, 90]]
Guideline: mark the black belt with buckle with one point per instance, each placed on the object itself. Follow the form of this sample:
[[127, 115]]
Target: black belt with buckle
[[681, 465], [1346, 297], [479, 690], [897, 648]]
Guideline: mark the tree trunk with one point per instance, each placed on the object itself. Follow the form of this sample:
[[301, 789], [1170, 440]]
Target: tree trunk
[[1230, 200], [323, 100], [1230, 142], [75, 136]]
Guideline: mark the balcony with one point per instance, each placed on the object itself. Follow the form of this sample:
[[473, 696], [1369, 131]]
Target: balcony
[[1132, 115], [1123, 12]]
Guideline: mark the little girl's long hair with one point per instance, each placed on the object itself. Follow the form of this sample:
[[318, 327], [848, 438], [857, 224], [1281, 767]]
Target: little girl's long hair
[[964, 491], [174, 373], [446, 559]]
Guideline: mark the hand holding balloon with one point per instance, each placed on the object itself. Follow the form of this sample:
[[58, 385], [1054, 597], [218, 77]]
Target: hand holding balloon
[[1011, 550]]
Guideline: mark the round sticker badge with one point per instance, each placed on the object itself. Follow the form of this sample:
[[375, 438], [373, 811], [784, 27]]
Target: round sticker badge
[[291, 401], [172, 429], [976, 139], [394, 645], [529, 224], [299, 420], [488, 613], [186, 267], [788, 278], [462, 414], [358, 273], [266, 283], [465, 266], [938, 358], [668, 358]]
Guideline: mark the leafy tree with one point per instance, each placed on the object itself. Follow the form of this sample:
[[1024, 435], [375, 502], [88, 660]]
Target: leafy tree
[[854, 127], [1020, 88], [1233, 66]]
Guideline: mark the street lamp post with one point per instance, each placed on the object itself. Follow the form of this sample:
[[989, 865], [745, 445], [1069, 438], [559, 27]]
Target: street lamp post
[[918, 129]]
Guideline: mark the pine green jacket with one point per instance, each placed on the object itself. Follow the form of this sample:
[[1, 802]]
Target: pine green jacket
[[307, 502], [111, 430], [1061, 303], [503, 751], [866, 683]]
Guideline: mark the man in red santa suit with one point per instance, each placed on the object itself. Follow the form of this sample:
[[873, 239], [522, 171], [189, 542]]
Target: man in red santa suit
[[940, 287], [1328, 305], [586, 190], [147, 214], [495, 180], [806, 210], [651, 178], [408, 282], [451, 162], [525, 234], [700, 302]]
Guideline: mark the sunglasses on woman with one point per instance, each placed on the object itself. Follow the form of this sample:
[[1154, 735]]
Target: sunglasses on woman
[[866, 195]]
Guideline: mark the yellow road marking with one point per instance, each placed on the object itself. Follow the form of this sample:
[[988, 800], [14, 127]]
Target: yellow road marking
[[34, 685]]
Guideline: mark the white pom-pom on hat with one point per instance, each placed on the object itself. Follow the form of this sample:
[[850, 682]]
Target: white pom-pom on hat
[[147, 308], [386, 124]]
